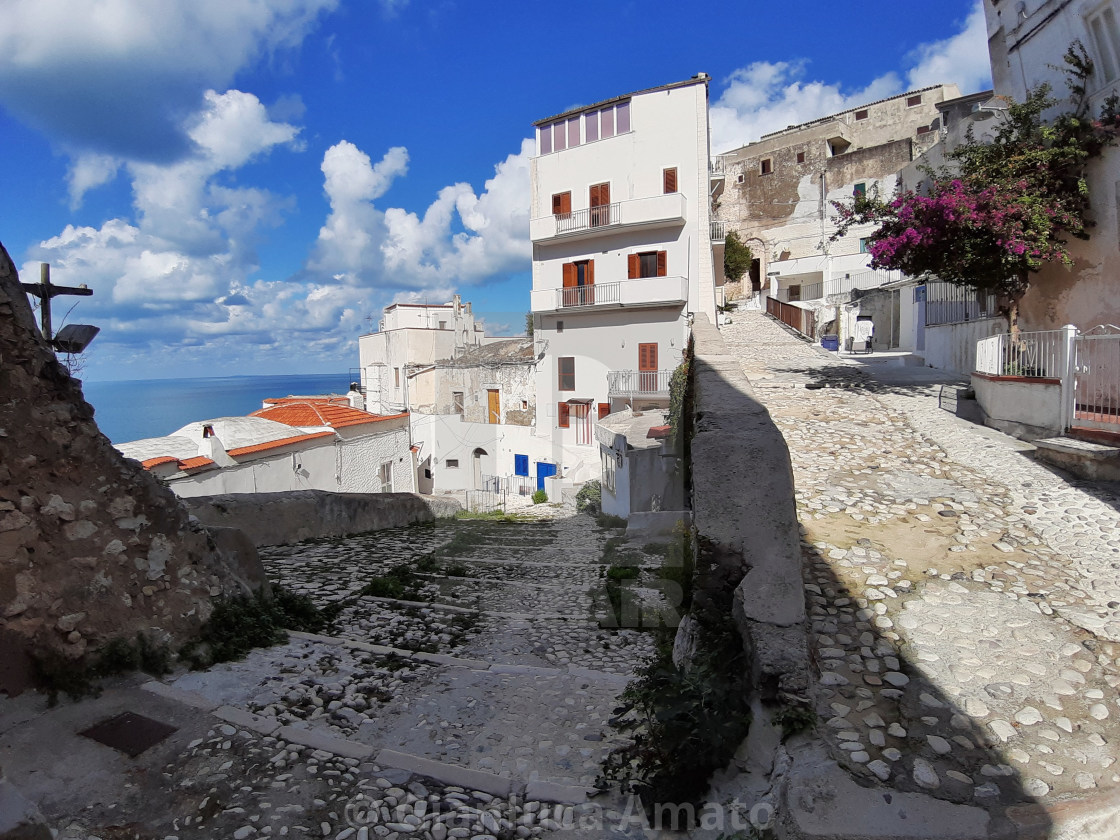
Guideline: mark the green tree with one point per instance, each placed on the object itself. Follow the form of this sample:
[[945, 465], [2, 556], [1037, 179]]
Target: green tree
[[737, 257], [1003, 209], [529, 325]]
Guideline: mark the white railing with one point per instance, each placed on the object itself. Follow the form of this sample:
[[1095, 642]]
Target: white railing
[[812, 291], [644, 291], [653, 211], [859, 280], [716, 166], [1096, 392], [597, 293], [1036, 355], [592, 217], [626, 383], [719, 230]]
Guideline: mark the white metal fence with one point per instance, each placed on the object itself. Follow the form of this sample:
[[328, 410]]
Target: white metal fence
[[1036, 355], [1096, 397]]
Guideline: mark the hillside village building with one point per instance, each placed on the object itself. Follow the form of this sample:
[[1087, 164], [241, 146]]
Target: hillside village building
[[620, 225], [292, 443], [777, 193]]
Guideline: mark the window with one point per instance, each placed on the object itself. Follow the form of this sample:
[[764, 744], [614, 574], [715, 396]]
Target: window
[[604, 123], [864, 245], [521, 465], [581, 413], [443, 325], [741, 178], [794, 293], [559, 326], [591, 126], [647, 264], [924, 129], [452, 463], [1106, 39], [387, 477], [573, 132], [860, 189], [669, 180], [765, 166], [544, 145], [457, 403], [800, 157], [861, 115], [560, 136], [563, 415], [578, 283], [599, 199], [911, 101], [566, 373], [622, 117], [562, 204], [608, 469]]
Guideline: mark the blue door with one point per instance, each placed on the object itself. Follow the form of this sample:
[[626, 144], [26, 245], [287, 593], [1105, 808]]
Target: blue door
[[544, 471]]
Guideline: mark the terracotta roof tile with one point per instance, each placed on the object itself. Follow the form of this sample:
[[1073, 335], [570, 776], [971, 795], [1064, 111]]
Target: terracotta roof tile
[[318, 412], [195, 463], [274, 444], [155, 462]]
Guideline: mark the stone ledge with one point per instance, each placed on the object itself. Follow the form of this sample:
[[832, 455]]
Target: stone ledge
[[448, 774], [327, 743], [542, 791], [187, 698], [247, 720]]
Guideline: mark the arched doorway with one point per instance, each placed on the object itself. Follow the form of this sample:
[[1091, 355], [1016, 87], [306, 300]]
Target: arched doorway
[[479, 454]]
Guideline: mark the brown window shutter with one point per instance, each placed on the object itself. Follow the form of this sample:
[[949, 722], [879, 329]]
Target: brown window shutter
[[633, 266], [604, 410], [605, 193], [591, 272], [662, 263], [569, 274], [671, 180], [556, 204], [562, 415]]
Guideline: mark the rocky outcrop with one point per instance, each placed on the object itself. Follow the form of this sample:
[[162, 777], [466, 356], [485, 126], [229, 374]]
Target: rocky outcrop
[[92, 547]]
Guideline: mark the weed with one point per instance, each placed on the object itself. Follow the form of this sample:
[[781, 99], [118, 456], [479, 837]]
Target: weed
[[656, 549], [539, 497], [383, 587], [794, 719], [623, 572], [456, 570], [58, 674], [427, 563], [463, 541], [607, 520], [491, 516]]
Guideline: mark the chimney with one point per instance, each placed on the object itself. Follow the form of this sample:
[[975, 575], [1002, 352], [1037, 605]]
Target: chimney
[[356, 397], [213, 448]]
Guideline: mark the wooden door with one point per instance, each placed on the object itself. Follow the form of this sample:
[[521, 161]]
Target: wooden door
[[494, 407], [647, 368], [600, 205]]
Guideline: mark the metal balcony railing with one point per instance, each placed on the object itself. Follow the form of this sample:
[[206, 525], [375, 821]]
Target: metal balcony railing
[[598, 293], [638, 383], [592, 217], [719, 230]]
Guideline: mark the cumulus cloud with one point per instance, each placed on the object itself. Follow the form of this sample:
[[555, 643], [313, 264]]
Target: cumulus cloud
[[118, 78], [460, 238], [769, 96]]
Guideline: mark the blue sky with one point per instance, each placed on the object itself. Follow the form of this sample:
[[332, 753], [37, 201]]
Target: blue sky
[[243, 183]]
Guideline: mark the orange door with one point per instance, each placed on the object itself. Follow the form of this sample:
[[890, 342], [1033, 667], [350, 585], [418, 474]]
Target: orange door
[[494, 406], [600, 205], [647, 368]]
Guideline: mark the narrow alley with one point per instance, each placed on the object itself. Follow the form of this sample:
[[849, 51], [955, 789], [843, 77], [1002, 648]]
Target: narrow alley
[[963, 597]]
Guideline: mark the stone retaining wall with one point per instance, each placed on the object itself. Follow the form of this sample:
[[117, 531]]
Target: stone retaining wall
[[280, 518], [745, 515]]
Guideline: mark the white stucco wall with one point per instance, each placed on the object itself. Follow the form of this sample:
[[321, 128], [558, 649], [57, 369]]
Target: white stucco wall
[[1005, 401], [953, 346]]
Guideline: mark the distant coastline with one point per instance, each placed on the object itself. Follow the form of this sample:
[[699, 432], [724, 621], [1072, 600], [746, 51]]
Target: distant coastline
[[142, 408]]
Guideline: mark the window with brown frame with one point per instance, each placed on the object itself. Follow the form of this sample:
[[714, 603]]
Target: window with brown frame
[[800, 157], [913, 100], [563, 414], [765, 166], [604, 410], [566, 373], [647, 264], [562, 204], [669, 179], [861, 115]]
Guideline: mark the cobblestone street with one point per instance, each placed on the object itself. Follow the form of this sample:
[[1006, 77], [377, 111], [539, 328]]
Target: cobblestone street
[[963, 598]]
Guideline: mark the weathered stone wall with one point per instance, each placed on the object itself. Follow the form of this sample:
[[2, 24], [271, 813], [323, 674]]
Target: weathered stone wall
[[744, 512], [281, 518], [91, 546]]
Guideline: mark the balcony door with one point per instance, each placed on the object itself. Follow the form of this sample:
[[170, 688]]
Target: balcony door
[[647, 368], [600, 205], [579, 283]]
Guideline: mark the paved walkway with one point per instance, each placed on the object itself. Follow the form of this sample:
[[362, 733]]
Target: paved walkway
[[474, 704], [964, 598]]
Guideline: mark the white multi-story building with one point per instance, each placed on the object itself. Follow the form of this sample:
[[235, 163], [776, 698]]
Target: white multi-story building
[[620, 225], [409, 337]]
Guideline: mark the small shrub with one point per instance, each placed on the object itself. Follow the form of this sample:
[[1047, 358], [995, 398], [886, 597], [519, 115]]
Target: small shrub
[[794, 719], [623, 573], [589, 499], [539, 497], [456, 570], [383, 587], [427, 563], [77, 679], [607, 520]]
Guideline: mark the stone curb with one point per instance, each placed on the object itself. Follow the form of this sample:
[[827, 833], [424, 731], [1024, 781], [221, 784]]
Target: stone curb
[[247, 720], [448, 774], [187, 698], [327, 743], [555, 792]]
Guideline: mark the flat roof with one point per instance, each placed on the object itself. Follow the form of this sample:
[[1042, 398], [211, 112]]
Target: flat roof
[[699, 78]]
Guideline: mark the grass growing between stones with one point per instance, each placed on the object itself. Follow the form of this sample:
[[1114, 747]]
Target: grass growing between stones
[[77, 679], [242, 623]]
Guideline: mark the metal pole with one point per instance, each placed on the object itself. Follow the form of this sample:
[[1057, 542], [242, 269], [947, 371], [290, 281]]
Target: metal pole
[[45, 300]]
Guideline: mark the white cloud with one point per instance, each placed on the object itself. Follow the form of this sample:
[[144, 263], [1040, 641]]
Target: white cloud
[[462, 237], [769, 96], [963, 58], [115, 77]]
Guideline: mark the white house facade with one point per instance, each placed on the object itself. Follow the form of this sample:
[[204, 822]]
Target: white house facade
[[620, 224]]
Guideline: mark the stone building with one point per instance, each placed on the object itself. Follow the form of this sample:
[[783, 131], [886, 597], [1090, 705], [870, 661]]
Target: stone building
[[777, 192]]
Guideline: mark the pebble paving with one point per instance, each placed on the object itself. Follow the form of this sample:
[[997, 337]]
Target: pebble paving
[[499, 664], [963, 598]]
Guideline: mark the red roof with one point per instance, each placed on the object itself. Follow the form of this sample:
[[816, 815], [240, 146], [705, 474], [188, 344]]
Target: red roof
[[155, 462], [273, 444], [335, 412], [195, 463]]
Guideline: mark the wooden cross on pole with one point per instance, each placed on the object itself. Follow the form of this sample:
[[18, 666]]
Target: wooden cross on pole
[[45, 291]]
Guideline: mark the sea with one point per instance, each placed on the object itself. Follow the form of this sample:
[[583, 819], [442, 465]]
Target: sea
[[143, 408]]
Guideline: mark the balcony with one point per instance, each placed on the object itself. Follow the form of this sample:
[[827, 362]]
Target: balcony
[[719, 230], [645, 291], [638, 383], [638, 214]]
